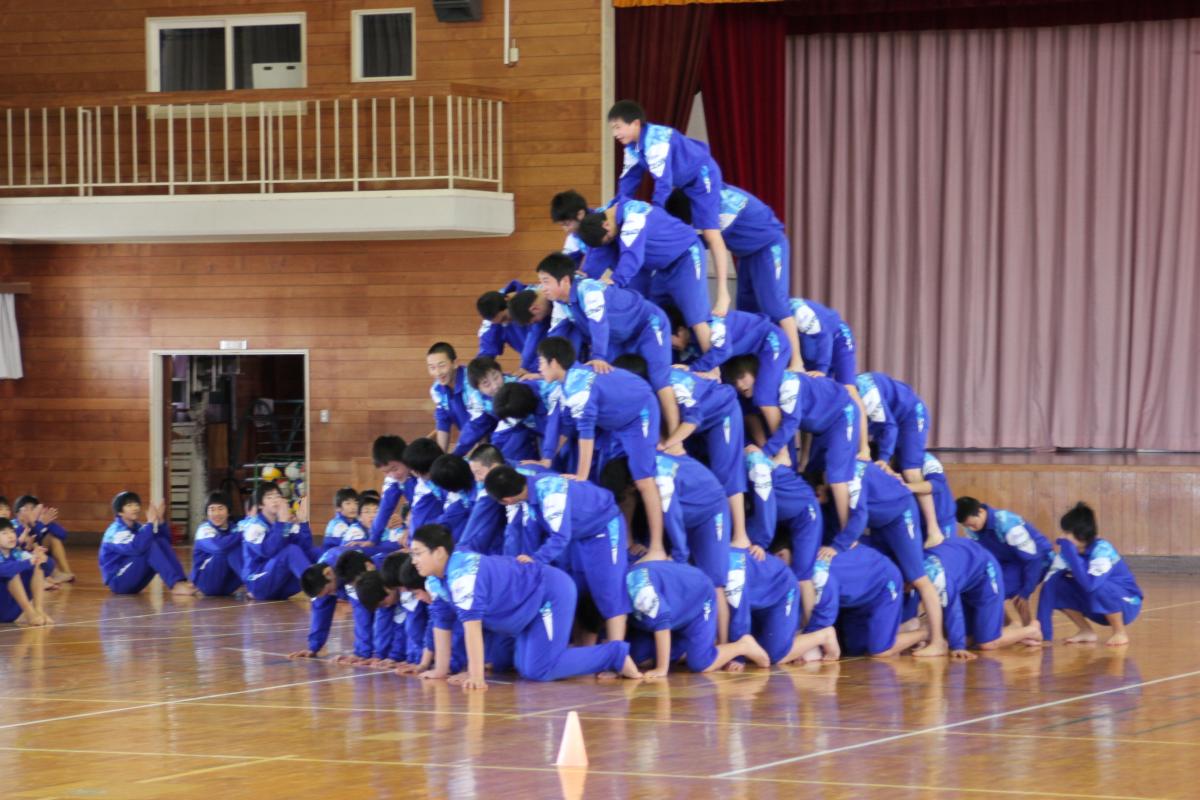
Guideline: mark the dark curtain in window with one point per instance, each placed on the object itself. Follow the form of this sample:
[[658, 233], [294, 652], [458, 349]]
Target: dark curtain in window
[[262, 44], [191, 59], [387, 45]]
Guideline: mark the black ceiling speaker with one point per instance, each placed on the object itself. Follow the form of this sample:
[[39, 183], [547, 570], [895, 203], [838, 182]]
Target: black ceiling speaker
[[458, 10]]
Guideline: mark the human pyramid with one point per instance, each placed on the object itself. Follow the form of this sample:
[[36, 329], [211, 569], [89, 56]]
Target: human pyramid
[[663, 478]]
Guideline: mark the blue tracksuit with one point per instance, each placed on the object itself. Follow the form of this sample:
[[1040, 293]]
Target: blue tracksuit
[[494, 336], [428, 502], [826, 342], [449, 407], [780, 495], [667, 595], [130, 557], [743, 333], [516, 439], [561, 322], [274, 556], [756, 237], [534, 603], [764, 600], [1023, 552], [14, 563], [619, 403], [618, 321], [695, 514], [971, 589], [1095, 583], [825, 409], [582, 531], [41, 530], [662, 258], [456, 510], [341, 530], [389, 500], [863, 591], [897, 419], [674, 161], [885, 506], [216, 559], [484, 530], [715, 411], [943, 498]]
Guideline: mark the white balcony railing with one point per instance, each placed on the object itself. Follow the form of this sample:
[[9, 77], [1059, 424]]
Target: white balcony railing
[[288, 142]]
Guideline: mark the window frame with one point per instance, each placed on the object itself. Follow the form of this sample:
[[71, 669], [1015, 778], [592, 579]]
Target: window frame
[[227, 21], [356, 47]]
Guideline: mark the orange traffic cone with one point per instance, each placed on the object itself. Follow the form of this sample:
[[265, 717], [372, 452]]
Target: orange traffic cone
[[572, 753]]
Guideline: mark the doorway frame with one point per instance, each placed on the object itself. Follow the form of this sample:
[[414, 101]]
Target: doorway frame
[[157, 434]]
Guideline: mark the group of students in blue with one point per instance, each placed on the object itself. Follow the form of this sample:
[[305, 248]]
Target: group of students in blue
[[661, 479]]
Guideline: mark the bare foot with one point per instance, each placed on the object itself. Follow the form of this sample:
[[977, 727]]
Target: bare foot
[[1117, 640], [1082, 637], [831, 648], [630, 670], [734, 666], [754, 651], [1034, 637], [934, 649], [46, 620], [23, 621], [50, 587], [184, 589], [607, 675]]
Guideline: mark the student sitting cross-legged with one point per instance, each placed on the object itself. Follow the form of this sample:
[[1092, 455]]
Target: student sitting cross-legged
[[131, 555]]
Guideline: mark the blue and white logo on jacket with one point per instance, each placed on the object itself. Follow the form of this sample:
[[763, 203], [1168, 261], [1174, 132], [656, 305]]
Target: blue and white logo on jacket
[[697, 261], [642, 593], [1011, 529], [634, 221], [614, 537], [789, 392], [578, 390], [735, 579], [1103, 558], [872, 401], [733, 203], [658, 148], [807, 321], [254, 532], [860, 469], [552, 497], [937, 576], [684, 386], [777, 258], [820, 578], [462, 571], [546, 612], [665, 470], [591, 296], [759, 469]]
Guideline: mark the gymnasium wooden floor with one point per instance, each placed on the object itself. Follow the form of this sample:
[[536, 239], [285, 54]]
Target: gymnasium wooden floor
[[149, 697]]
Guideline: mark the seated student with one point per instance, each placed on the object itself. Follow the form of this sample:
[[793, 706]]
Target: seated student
[[828, 350], [387, 453], [881, 502], [532, 602], [1023, 552], [130, 556], [935, 485], [498, 328], [764, 601], [539, 402], [449, 381], [1089, 582], [345, 530], [22, 584], [393, 536], [484, 531], [275, 548], [673, 614], [615, 321], [863, 591], [971, 589], [660, 259], [41, 523], [580, 529], [452, 476], [616, 402], [782, 499], [741, 333], [427, 502], [675, 162], [542, 317], [567, 209], [898, 425], [217, 550], [757, 239], [516, 438]]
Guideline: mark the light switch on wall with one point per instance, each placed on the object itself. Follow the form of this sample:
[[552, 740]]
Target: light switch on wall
[[324, 415]]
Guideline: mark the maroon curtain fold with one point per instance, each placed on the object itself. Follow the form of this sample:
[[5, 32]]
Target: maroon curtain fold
[[744, 83], [659, 52]]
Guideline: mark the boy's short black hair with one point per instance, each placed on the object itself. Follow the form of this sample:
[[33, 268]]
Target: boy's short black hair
[[490, 304], [557, 349], [678, 205], [557, 266], [387, 448], [591, 229], [219, 499], [343, 494], [965, 507], [628, 111], [409, 578], [123, 499], [6, 524], [674, 317], [350, 565], [389, 569], [263, 489], [616, 476], [22, 501], [480, 367], [634, 363], [314, 579], [368, 496], [488, 454], [420, 454], [1080, 522], [434, 536], [738, 366], [370, 590], [445, 348], [516, 400], [520, 306], [566, 206], [452, 473], [504, 482], [4, 501]]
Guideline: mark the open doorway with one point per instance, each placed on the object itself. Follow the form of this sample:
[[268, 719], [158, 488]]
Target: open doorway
[[226, 421]]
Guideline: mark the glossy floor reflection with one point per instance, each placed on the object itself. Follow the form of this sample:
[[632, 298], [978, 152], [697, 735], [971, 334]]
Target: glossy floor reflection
[[152, 696]]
